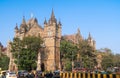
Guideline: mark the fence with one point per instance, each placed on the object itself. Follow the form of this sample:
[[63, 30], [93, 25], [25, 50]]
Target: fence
[[88, 75], [81, 75]]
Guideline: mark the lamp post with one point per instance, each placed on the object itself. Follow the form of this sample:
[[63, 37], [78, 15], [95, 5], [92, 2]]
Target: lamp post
[[18, 53], [72, 61]]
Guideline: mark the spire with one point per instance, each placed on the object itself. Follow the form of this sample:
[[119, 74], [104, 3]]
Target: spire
[[59, 23], [78, 31], [45, 22], [52, 15], [78, 36], [16, 28], [89, 36], [52, 19], [23, 21], [35, 20]]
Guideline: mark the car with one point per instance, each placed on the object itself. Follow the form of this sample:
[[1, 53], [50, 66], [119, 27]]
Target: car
[[22, 73], [11, 75], [2, 73], [38, 72]]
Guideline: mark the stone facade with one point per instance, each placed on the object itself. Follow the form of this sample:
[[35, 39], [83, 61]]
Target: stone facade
[[77, 37], [51, 34]]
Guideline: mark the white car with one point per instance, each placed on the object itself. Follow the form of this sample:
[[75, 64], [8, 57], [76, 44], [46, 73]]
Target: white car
[[11, 75]]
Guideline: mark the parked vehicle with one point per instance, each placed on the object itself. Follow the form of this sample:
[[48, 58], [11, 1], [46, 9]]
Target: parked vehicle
[[2, 73], [22, 73], [11, 75]]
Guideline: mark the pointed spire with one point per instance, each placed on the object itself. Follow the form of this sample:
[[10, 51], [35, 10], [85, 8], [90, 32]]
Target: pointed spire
[[45, 22], [52, 15], [52, 19], [23, 21], [16, 28], [78, 36], [89, 36], [78, 31], [59, 23], [35, 20]]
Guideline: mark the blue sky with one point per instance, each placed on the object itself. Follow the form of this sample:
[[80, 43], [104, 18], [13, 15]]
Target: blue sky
[[99, 17]]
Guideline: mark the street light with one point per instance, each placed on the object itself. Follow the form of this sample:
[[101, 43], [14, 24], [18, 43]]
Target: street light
[[72, 61]]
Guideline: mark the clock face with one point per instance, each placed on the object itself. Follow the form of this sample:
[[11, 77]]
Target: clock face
[[49, 32]]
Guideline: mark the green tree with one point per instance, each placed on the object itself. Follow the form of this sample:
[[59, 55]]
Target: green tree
[[68, 52], [108, 58], [116, 60], [68, 65], [71, 51], [87, 54], [4, 62], [25, 51]]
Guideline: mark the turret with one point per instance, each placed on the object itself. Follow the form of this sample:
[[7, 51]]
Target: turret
[[23, 21], [45, 22], [89, 36], [1, 44], [16, 28], [52, 20], [23, 26], [78, 36], [59, 23], [91, 42], [35, 21]]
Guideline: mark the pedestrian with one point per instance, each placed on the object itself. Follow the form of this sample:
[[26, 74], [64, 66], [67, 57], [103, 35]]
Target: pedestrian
[[3, 75]]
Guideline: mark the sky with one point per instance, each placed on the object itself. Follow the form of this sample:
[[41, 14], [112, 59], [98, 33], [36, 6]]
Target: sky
[[99, 17]]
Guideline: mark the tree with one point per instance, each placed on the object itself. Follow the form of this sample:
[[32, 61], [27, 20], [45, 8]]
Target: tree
[[108, 58], [87, 54], [25, 51], [4, 62], [117, 60], [68, 53]]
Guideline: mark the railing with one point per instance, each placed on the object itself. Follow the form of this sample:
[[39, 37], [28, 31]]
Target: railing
[[88, 75], [80, 75]]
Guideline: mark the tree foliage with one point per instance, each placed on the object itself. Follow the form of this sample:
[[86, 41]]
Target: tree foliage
[[109, 60], [4, 62], [25, 51], [70, 51], [87, 54]]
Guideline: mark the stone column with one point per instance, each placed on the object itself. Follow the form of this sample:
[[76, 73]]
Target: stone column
[[39, 61]]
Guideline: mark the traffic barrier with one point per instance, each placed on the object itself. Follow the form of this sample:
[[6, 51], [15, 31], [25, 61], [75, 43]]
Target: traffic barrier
[[79, 75], [118, 76], [93, 75], [63, 75], [88, 75], [67, 75], [83, 75], [71, 74], [110, 76], [105, 76], [98, 75]]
